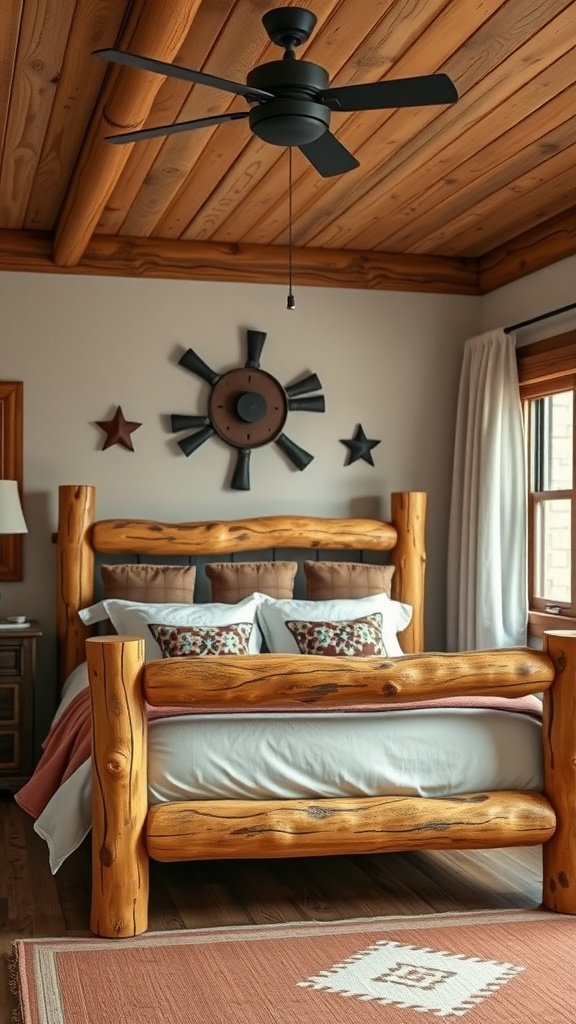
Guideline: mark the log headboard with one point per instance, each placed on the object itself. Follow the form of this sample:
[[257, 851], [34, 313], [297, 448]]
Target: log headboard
[[81, 536]]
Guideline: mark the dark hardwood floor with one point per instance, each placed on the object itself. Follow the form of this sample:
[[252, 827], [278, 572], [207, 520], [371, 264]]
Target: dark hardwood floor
[[35, 903]]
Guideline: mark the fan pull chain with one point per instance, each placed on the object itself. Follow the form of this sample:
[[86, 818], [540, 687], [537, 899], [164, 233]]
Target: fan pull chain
[[290, 302]]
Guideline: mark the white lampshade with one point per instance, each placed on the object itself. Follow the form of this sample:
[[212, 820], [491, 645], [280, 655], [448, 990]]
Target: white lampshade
[[11, 515]]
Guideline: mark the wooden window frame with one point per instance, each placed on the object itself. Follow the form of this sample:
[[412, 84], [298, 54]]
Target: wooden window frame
[[11, 461], [545, 368]]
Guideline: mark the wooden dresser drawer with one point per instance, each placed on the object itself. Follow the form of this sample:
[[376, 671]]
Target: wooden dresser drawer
[[17, 666], [10, 660], [9, 704]]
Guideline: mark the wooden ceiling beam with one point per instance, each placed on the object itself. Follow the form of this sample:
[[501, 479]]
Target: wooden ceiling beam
[[533, 250], [160, 27], [109, 255]]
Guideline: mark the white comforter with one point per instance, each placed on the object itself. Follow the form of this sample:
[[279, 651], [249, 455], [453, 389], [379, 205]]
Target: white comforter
[[426, 752]]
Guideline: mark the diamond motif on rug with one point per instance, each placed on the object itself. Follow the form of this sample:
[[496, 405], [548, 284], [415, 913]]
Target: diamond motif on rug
[[425, 980]]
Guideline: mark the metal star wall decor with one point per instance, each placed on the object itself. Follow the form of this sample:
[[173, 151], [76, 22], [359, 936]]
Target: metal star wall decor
[[118, 430], [360, 447], [247, 409]]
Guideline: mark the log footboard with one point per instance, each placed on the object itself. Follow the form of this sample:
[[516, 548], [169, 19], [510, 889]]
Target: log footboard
[[126, 833]]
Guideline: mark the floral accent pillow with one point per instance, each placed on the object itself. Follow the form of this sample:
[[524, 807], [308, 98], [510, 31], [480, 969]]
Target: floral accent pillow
[[361, 638], [199, 641]]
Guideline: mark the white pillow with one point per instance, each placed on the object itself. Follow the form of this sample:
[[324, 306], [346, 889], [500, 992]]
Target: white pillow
[[132, 618], [273, 615]]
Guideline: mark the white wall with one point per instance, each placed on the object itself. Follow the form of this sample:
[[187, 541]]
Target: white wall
[[83, 345], [546, 290]]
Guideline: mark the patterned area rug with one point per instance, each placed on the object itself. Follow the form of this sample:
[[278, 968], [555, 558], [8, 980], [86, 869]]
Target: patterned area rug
[[496, 967]]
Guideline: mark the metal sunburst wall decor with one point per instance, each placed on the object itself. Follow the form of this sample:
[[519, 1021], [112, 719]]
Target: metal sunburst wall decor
[[247, 409]]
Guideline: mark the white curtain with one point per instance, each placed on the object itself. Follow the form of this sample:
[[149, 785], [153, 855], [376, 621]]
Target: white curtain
[[487, 600]]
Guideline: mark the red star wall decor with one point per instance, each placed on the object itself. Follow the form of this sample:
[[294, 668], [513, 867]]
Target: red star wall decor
[[118, 430]]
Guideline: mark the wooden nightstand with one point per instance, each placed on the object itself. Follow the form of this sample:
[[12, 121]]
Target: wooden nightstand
[[17, 663]]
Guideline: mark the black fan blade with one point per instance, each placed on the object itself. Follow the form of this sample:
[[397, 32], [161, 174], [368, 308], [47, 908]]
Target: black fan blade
[[421, 91], [196, 365], [329, 156], [178, 422], [160, 67], [310, 403], [241, 476], [171, 129], [304, 386], [193, 441], [298, 456], [256, 341]]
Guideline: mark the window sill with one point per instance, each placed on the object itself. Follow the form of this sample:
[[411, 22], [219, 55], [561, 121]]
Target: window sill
[[538, 622]]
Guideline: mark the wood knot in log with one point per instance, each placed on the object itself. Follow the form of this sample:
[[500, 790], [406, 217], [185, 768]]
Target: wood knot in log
[[319, 812], [563, 879], [106, 857], [117, 764], [389, 689]]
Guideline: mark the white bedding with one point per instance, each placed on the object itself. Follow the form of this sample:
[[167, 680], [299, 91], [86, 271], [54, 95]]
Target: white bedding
[[426, 752]]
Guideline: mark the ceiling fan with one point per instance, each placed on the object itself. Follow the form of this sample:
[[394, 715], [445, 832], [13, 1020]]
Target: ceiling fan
[[291, 100]]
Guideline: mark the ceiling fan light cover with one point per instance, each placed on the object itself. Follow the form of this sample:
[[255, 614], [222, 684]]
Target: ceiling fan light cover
[[289, 122]]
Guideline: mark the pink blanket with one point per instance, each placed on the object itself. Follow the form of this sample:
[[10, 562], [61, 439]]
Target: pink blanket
[[69, 741]]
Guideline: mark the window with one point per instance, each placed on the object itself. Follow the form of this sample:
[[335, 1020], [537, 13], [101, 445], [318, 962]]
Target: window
[[547, 374]]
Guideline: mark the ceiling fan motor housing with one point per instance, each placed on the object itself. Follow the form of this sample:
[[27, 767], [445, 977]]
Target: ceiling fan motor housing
[[294, 117]]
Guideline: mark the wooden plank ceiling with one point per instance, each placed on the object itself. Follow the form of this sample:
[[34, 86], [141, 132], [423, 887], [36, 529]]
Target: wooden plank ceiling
[[460, 198]]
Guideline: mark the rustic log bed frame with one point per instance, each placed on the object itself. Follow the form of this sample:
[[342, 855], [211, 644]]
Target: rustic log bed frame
[[126, 833]]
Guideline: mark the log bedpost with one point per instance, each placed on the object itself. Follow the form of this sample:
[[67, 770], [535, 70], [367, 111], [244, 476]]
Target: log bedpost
[[74, 573], [120, 863], [408, 513], [559, 755]]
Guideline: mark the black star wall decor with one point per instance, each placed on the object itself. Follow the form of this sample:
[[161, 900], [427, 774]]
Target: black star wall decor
[[118, 430], [360, 447], [247, 409]]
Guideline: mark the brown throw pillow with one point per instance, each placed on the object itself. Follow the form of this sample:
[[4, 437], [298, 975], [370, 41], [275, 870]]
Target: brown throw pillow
[[231, 581], [328, 580], [154, 584]]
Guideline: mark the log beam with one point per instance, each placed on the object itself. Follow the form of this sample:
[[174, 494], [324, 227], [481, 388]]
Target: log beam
[[111, 256], [533, 250], [160, 29], [303, 828], [408, 511], [145, 537], [74, 573], [559, 748], [317, 681], [120, 863]]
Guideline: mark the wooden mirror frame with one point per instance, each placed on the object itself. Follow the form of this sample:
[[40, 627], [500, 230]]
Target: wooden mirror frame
[[11, 459]]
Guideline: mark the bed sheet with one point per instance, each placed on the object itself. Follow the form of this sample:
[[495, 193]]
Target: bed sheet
[[435, 750]]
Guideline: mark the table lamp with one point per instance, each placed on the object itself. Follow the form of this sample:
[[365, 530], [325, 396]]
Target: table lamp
[[11, 515]]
